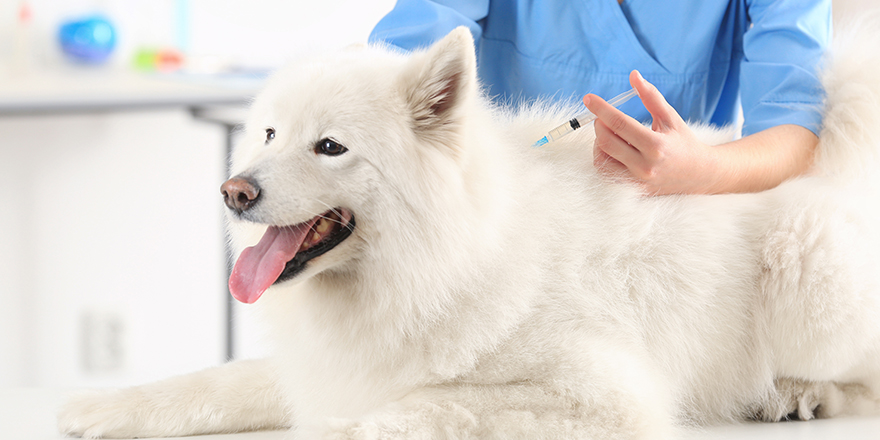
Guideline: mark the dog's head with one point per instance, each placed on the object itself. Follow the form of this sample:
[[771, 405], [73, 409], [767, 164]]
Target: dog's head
[[331, 148]]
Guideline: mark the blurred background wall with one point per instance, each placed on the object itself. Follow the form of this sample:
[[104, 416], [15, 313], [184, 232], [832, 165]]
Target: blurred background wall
[[111, 242], [111, 255]]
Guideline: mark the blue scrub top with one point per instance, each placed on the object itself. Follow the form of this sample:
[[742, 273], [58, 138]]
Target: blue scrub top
[[706, 57]]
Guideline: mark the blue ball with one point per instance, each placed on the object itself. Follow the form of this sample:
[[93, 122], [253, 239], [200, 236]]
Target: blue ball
[[89, 40]]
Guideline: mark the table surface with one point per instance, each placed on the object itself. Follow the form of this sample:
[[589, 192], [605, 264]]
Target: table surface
[[83, 89], [29, 414]]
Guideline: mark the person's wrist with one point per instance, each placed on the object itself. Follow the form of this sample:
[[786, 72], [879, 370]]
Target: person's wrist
[[717, 171]]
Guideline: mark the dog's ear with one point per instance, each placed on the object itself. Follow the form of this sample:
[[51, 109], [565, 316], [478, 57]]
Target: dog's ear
[[438, 81]]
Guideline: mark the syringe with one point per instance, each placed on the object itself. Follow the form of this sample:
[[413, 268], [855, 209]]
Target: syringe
[[581, 120]]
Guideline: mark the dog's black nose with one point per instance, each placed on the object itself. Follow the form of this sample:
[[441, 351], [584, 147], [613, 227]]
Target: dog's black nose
[[240, 193]]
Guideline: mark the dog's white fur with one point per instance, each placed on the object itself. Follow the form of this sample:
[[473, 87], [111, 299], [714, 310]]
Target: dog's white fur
[[495, 290]]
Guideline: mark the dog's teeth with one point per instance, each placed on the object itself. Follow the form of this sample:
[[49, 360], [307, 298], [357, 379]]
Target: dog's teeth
[[316, 237], [323, 225]]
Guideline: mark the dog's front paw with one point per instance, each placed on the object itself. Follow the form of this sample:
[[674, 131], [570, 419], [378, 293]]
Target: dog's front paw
[[104, 414], [427, 420]]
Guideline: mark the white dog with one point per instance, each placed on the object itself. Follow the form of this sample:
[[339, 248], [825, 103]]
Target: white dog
[[429, 274]]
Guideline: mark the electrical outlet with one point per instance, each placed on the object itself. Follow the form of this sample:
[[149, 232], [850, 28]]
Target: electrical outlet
[[103, 342]]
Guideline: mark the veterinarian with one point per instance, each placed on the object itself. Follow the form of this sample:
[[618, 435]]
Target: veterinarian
[[702, 61]]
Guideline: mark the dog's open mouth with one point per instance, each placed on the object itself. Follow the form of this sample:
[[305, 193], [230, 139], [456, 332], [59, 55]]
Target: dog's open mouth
[[283, 252]]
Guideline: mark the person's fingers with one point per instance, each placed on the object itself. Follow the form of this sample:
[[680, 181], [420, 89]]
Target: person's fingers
[[664, 115], [608, 165], [614, 146], [621, 124]]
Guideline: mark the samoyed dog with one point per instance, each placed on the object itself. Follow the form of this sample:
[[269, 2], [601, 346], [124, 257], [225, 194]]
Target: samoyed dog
[[426, 273]]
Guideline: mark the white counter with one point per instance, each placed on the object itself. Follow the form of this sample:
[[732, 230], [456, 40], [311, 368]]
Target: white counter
[[29, 414]]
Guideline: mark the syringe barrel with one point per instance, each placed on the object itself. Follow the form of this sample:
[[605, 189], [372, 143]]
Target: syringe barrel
[[560, 131]]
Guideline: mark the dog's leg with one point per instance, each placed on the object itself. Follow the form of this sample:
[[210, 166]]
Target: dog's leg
[[821, 304], [504, 411], [590, 387], [239, 396]]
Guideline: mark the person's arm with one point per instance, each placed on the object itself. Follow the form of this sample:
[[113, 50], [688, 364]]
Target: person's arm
[[416, 24], [782, 107], [667, 158], [765, 159]]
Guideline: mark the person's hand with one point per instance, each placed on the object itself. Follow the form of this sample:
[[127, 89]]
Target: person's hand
[[664, 159]]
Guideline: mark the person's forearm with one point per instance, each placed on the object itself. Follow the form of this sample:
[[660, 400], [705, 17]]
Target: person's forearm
[[763, 160]]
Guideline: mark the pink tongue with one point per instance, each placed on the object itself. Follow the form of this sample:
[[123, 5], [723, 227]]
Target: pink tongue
[[259, 266]]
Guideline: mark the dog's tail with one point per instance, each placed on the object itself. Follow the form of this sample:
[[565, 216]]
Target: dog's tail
[[849, 143]]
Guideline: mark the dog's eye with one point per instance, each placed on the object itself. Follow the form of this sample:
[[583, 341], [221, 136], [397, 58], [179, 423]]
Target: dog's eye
[[270, 134], [329, 147]]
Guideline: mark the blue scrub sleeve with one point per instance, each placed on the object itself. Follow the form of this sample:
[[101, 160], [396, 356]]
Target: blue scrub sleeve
[[419, 23], [783, 52]]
